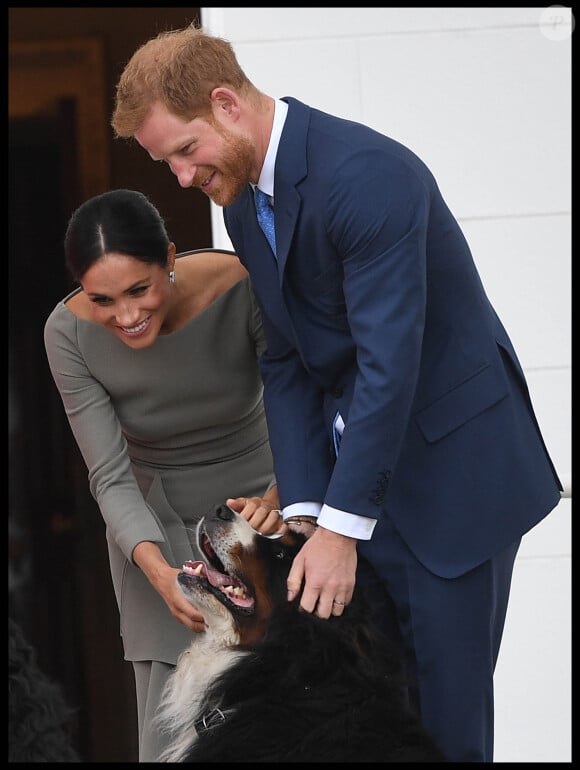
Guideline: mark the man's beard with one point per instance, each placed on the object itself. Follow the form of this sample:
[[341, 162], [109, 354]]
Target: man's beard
[[234, 170]]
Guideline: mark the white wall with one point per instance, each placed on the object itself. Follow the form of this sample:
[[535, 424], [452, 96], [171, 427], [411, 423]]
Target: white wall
[[483, 96]]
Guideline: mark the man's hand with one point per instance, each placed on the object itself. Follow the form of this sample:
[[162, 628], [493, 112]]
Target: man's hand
[[327, 565]]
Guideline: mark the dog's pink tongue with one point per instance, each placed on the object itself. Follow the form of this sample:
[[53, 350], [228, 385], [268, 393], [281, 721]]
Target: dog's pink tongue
[[236, 591]]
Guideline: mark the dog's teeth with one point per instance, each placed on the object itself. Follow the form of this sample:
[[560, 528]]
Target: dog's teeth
[[198, 570], [234, 590]]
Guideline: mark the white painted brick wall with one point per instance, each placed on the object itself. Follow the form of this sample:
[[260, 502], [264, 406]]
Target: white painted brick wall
[[483, 96]]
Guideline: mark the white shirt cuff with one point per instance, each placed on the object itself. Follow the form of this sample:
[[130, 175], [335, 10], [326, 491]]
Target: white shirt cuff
[[301, 509], [349, 524], [341, 522]]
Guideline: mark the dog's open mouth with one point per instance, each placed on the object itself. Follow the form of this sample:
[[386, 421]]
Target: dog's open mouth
[[227, 588], [231, 588]]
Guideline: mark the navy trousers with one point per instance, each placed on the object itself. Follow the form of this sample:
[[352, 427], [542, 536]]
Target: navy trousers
[[449, 631]]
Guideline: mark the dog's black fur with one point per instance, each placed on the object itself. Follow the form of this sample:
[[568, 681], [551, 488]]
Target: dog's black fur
[[39, 718], [291, 687]]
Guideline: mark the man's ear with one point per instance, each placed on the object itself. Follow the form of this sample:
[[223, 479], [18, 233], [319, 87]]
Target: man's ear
[[225, 104]]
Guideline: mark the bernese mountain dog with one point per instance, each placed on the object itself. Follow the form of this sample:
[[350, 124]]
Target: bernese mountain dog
[[268, 682]]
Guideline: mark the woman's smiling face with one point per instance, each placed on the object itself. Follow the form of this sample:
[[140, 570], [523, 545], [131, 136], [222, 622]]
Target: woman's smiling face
[[129, 297]]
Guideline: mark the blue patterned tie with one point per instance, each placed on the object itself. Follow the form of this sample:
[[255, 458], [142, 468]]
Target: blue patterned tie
[[265, 214]]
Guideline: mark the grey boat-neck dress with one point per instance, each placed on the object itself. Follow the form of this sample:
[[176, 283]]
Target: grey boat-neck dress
[[166, 432]]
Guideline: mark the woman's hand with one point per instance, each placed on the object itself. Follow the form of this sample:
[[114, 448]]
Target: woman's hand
[[263, 513], [163, 578], [181, 609]]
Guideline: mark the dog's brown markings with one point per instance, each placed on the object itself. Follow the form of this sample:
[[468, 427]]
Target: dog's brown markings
[[252, 629]]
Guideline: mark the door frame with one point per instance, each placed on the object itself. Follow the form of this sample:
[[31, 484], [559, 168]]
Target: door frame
[[43, 74]]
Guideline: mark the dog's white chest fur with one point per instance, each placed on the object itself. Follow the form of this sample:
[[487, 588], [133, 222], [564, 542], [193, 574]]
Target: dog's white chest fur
[[208, 656]]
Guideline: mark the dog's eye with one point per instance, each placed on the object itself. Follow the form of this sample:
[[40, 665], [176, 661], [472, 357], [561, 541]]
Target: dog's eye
[[279, 554]]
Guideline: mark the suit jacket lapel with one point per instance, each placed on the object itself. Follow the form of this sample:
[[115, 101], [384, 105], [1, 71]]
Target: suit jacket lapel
[[291, 168]]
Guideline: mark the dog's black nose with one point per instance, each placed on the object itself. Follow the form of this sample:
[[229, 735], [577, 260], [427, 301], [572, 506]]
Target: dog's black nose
[[224, 512]]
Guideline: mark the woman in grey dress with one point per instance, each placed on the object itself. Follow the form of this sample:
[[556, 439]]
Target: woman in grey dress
[[156, 360]]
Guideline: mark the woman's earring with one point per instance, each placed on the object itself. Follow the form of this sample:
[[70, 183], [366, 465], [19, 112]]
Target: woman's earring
[[172, 276]]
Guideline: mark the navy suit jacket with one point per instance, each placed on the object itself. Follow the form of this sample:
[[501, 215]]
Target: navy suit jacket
[[374, 307]]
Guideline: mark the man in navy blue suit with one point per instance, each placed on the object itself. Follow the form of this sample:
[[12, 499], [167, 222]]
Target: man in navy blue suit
[[399, 414]]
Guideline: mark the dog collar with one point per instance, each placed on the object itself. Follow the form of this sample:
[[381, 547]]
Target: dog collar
[[209, 720]]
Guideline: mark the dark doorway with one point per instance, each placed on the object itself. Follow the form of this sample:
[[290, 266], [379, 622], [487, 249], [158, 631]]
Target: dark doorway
[[59, 583], [63, 66]]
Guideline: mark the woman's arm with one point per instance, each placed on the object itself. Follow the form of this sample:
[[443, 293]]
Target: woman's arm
[[97, 431], [98, 434]]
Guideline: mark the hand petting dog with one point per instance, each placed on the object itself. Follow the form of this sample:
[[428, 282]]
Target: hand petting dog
[[262, 513], [336, 574], [163, 577]]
